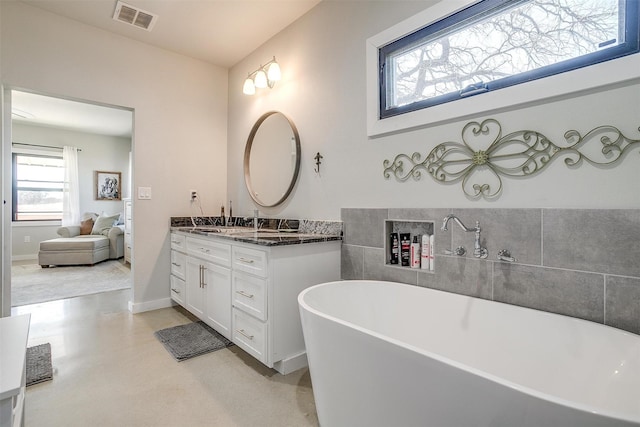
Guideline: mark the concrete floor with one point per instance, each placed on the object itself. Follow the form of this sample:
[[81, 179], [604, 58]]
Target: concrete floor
[[110, 370]]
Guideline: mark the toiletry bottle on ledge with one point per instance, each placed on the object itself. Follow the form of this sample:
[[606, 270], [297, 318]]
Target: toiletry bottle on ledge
[[405, 249], [432, 251], [425, 252], [394, 244], [415, 253]]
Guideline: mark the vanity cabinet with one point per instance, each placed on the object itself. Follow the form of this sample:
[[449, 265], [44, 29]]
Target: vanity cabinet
[[249, 292], [265, 287], [208, 283], [208, 292], [178, 268]]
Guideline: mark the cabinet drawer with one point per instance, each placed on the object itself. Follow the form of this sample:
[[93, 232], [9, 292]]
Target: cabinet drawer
[[219, 253], [250, 260], [250, 334], [177, 290], [250, 294], [178, 242], [178, 264]]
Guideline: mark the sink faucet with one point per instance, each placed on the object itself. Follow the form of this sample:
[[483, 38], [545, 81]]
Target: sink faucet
[[478, 250]]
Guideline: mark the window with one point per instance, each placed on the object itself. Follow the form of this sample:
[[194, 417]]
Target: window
[[38, 181], [494, 44]]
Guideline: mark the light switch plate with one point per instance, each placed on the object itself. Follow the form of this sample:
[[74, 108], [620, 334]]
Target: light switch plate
[[144, 193]]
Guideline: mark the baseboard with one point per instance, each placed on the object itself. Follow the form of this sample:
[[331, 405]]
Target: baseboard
[[28, 257], [141, 307], [291, 364]]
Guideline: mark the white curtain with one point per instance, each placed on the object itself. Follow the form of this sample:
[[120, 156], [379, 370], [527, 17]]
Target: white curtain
[[71, 193]]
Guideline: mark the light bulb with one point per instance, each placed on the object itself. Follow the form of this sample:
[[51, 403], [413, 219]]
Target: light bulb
[[274, 72], [248, 88], [261, 79]]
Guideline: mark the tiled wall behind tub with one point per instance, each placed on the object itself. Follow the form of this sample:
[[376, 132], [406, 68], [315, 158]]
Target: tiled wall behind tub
[[577, 262]]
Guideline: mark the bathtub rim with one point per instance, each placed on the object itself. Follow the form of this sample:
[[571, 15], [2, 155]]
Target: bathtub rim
[[626, 417]]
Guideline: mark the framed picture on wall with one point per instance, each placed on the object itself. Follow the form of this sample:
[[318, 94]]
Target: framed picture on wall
[[108, 185]]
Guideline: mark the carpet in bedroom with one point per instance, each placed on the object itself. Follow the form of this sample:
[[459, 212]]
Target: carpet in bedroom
[[31, 284]]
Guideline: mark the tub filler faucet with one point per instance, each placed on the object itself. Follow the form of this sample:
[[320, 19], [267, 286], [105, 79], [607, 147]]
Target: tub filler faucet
[[478, 250]]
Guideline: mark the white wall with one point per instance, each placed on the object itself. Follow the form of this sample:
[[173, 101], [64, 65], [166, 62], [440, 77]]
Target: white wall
[[5, 262], [99, 153], [324, 92], [180, 116]]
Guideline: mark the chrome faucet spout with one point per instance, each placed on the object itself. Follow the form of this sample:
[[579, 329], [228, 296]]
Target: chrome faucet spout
[[449, 217], [478, 250]]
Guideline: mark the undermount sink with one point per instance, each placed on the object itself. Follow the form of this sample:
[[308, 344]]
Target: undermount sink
[[213, 229], [249, 232]]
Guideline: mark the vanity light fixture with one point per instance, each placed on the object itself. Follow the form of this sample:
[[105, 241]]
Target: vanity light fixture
[[265, 76]]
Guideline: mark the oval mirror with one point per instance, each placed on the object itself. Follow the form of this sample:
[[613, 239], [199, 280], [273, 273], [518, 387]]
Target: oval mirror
[[272, 159]]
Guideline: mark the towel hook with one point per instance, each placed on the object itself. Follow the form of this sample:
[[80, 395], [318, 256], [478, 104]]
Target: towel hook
[[318, 159]]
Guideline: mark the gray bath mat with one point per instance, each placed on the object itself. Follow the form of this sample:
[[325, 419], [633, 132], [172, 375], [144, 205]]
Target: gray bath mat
[[39, 364], [190, 340]]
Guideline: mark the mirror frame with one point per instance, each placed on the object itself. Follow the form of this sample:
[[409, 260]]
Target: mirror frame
[[247, 156]]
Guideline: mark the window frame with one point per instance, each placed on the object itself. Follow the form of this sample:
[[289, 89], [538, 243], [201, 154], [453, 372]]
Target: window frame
[[14, 187], [630, 46]]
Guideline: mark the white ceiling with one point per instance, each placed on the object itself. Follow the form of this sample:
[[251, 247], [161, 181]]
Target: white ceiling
[[220, 32], [30, 108]]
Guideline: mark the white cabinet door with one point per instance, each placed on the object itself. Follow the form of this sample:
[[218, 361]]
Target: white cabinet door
[[217, 290], [194, 289]]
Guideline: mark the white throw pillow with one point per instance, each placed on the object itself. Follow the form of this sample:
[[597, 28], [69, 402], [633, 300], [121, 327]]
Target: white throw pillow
[[104, 223]]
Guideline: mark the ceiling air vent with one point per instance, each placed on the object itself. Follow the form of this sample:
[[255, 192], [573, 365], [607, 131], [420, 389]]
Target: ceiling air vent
[[134, 16]]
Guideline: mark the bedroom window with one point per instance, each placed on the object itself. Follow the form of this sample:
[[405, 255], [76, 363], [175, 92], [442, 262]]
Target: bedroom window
[[494, 44], [38, 182]]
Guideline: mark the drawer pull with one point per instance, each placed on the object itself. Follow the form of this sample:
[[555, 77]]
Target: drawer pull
[[244, 294], [205, 250], [175, 290], [244, 334], [245, 260], [176, 264]]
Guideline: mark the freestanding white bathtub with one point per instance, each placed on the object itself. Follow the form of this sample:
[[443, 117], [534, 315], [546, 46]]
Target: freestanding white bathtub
[[389, 354]]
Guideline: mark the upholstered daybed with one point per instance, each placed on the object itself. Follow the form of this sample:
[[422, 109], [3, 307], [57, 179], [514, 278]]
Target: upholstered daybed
[[98, 238]]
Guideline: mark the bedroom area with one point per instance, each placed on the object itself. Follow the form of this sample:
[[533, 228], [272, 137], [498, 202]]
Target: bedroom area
[[71, 179]]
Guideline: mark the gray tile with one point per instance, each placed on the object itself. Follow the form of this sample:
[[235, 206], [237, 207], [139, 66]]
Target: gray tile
[[572, 293], [364, 227], [375, 268], [459, 275], [622, 299], [517, 230], [599, 240], [352, 262]]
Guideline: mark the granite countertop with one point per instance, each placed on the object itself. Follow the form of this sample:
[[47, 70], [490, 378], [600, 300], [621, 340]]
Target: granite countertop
[[263, 237]]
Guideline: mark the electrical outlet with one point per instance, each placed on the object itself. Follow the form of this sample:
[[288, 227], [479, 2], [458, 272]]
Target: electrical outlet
[[193, 194], [27, 239]]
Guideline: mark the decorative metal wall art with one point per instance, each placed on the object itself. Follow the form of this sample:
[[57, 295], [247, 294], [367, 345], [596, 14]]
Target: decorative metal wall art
[[485, 156]]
